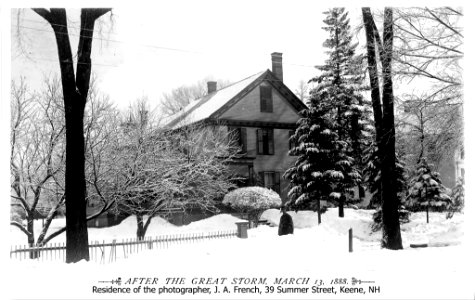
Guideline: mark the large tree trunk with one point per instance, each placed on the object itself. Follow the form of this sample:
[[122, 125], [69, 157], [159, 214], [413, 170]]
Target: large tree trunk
[[384, 123], [391, 228], [76, 224], [75, 92]]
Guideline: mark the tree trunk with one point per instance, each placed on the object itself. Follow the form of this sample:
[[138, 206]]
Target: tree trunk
[[319, 212], [30, 226], [140, 228], [341, 202], [384, 123], [391, 228], [422, 137], [49, 219], [427, 213], [75, 92], [76, 225]]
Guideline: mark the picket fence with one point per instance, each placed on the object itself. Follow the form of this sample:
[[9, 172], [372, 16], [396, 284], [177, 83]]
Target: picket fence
[[108, 252]]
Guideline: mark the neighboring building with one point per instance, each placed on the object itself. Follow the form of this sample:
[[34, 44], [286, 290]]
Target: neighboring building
[[261, 112]]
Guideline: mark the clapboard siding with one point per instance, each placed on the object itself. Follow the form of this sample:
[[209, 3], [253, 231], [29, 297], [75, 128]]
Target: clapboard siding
[[248, 108]]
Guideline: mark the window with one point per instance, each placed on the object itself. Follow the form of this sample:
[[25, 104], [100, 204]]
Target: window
[[238, 136], [266, 98], [292, 143], [265, 141], [270, 180]]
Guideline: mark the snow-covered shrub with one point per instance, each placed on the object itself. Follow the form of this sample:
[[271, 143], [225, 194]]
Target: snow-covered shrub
[[426, 189], [458, 198], [252, 200]]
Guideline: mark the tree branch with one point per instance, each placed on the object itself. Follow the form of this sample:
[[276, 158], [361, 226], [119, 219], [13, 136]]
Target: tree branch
[[442, 22], [44, 13], [21, 227]]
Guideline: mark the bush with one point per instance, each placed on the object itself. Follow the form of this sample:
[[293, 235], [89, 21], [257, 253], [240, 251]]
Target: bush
[[458, 198], [253, 201]]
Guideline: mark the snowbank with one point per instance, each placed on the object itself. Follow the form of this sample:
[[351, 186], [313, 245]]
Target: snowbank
[[312, 251]]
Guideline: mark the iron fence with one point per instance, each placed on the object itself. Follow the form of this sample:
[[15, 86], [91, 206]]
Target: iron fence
[[107, 252]]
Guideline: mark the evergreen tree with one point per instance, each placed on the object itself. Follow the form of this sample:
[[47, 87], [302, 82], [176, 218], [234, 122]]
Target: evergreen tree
[[343, 72], [322, 170], [334, 131], [458, 197], [426, 189]]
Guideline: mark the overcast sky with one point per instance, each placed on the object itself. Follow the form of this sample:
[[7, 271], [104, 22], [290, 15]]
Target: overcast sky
[[153, 49]]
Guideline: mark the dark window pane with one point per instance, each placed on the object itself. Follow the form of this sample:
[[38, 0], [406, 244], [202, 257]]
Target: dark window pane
[[260, 141]]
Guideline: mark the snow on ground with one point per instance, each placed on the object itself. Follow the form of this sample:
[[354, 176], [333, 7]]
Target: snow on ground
[[312, 251], [128, 227]]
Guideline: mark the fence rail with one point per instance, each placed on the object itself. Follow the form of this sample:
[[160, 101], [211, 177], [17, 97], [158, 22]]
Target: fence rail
[[107, 252]]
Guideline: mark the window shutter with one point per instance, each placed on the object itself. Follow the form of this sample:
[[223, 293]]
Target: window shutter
[[244, 139], [270, 137], [277, 182], [259, 141], [261, 179]]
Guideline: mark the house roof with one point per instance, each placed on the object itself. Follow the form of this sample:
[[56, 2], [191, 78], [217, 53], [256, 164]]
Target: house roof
[[213, 105]]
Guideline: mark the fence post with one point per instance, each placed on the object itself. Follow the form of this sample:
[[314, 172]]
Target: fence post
[[242, 229], [350, 239]]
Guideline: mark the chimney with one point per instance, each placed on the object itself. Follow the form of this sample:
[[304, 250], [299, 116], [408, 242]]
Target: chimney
[[277, 65], [212, 85]]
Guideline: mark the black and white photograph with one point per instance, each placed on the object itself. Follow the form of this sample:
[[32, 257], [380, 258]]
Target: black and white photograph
[[236, 150]]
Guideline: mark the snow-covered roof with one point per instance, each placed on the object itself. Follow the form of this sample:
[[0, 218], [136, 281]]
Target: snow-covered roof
[[204, 107]]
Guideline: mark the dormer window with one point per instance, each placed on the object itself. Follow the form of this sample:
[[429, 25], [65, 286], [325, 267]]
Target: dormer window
[[266, 98]]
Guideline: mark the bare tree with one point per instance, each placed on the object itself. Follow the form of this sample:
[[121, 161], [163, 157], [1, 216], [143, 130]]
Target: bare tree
[[175, 100], [75, 86], [302, 90], [427, 54], [429, 47], [428, 129], [157, 170], [37, 153]]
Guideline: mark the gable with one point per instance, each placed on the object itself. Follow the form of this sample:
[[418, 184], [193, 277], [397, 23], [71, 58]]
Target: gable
[[241, 101], [201, 109], [248, 108]]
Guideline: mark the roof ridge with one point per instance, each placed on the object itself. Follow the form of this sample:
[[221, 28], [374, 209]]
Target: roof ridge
[[234, 83], [197, 103]]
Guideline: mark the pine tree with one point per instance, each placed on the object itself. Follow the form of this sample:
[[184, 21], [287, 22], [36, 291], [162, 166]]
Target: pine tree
[[322, 170], [458, 197], [343, 71], [426, 189], [334, 131]]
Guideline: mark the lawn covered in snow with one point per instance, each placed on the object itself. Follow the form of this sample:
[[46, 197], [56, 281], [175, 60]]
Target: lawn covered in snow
[[319, 252]]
